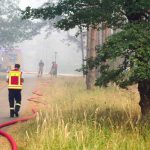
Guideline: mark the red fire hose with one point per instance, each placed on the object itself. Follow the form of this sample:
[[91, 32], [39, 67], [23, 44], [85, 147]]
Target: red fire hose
[[7, 136], [10, 139]]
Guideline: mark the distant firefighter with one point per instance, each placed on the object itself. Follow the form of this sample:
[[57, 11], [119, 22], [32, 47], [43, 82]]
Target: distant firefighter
[[41, 67], [53, 71]]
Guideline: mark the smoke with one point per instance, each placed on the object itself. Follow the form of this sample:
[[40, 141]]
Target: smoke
[[38, 48]]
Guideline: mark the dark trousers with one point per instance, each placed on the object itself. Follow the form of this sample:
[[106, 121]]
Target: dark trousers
[[14, 99]]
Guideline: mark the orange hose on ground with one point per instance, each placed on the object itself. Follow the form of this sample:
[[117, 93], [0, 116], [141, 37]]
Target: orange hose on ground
[[37, 93], [32, 100], [33, 97]]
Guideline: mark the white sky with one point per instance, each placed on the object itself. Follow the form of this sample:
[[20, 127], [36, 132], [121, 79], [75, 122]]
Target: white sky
[[40, 48], [33, 3]]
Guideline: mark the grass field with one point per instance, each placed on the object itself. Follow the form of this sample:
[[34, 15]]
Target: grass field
[[76, 119]]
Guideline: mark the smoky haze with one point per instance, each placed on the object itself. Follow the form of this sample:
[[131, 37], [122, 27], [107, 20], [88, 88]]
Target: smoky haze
[[68, 57]]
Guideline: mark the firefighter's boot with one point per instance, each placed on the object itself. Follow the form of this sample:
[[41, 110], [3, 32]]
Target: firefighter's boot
[[12, 113], [17, 108]]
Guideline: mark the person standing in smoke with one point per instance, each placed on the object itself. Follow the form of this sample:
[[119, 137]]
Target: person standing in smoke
[[41, 68], [53, 71]]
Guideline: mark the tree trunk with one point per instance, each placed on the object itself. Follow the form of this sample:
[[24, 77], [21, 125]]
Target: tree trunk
[[82, 50], [88, 56], [144, 91], [91, 53]]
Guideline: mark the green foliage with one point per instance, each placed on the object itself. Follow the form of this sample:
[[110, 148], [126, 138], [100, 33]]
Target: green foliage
[[12, 28], [133, 48], [115, 13]]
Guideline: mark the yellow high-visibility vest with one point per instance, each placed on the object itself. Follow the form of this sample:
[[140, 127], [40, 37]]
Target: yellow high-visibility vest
[[15, 80]]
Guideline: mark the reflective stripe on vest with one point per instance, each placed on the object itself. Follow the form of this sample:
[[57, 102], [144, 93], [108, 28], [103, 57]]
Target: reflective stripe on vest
[[15, 80]]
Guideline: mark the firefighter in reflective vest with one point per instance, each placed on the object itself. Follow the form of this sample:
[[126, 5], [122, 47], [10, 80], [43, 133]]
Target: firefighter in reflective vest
[[15, 81]]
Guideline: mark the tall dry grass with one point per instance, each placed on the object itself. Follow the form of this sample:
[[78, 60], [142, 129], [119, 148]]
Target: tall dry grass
[[77, 119]]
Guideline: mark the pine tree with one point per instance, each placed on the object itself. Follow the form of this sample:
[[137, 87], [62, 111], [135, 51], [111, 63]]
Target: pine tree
[[132, 44]]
